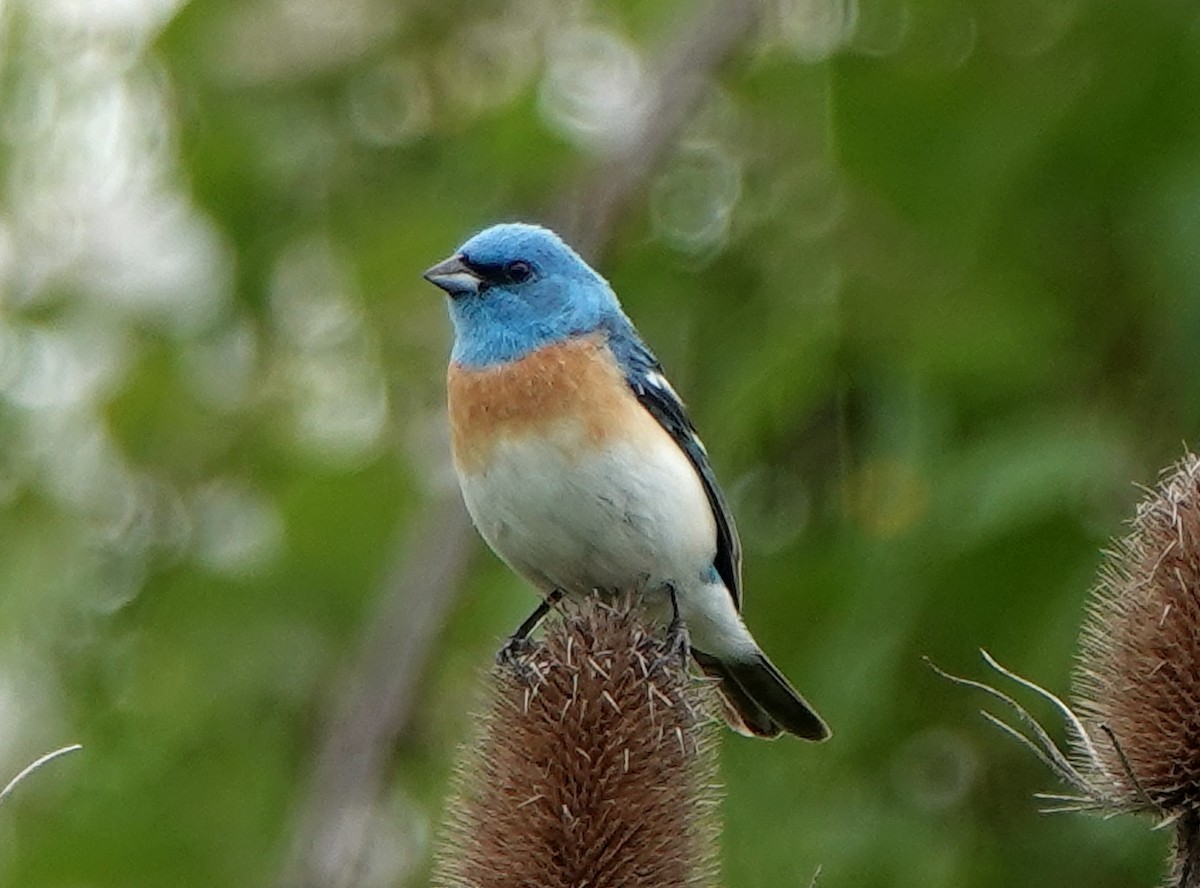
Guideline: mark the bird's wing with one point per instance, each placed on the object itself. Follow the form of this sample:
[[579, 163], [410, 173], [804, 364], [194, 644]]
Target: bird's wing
[[644, 375]]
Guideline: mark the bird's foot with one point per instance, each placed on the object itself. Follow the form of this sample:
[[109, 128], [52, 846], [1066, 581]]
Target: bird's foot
[[513, 650], [518, 644], [676, 642], [516, 660]]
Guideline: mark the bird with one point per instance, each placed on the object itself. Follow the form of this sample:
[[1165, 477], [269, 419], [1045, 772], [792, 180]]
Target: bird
[[580, 466]]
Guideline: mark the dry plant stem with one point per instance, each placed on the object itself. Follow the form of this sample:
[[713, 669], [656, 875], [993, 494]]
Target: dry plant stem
[[330, 835], [33, 766], [1041, 745], [594, 765], [1186, 867]]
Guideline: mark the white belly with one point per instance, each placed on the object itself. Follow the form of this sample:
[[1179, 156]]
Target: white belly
[[625, 517]]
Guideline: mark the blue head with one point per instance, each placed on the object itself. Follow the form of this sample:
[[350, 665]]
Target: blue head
[[514, 288]]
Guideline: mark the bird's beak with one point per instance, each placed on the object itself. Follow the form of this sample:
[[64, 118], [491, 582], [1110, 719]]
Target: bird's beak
[[454, 276]]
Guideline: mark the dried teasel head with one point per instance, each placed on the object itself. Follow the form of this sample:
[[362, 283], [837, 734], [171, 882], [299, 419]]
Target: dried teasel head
[[1135, 725], [594, 766], [1138, 678]]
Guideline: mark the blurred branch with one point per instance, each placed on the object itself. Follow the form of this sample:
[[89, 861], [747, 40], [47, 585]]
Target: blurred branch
[[333, 826], [333, 823], [589, 212]]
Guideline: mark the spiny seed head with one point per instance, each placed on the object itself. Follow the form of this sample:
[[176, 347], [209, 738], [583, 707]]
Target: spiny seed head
[[594, 766], [1139, 661]]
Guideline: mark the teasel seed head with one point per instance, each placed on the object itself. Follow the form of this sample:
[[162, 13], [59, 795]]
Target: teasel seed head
[[1138, 677], [594, 765]]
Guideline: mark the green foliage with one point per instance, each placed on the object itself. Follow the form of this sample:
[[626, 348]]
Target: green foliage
[[926, 273]]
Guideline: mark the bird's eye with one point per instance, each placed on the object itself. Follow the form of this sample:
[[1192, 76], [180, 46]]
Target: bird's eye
[[518, 271]]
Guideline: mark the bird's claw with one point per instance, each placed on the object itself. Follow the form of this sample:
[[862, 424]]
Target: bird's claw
[[676, 641], [515, 659], [514, 651]]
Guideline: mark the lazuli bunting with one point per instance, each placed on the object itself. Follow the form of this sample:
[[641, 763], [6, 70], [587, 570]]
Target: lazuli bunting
[[579, 464]]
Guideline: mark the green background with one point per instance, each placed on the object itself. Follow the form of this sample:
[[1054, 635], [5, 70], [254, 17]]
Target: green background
[[926, 271]]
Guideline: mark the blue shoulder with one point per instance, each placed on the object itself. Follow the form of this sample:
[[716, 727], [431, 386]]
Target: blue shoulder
[[645, 378]]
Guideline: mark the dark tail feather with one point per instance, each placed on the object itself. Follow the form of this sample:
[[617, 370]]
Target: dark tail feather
[[739, 710], [759, 700]]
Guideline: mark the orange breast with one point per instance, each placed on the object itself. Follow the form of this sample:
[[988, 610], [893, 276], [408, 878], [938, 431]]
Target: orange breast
[[575, 385]]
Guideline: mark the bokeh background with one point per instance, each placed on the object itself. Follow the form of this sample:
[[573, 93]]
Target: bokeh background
[[927, 272]]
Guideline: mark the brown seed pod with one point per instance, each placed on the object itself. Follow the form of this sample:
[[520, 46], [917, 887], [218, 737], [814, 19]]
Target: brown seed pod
[[594, 766], [1138, 679]]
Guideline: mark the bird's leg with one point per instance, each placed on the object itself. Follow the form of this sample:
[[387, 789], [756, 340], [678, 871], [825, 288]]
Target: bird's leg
[[518, 642], [677, 635]]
